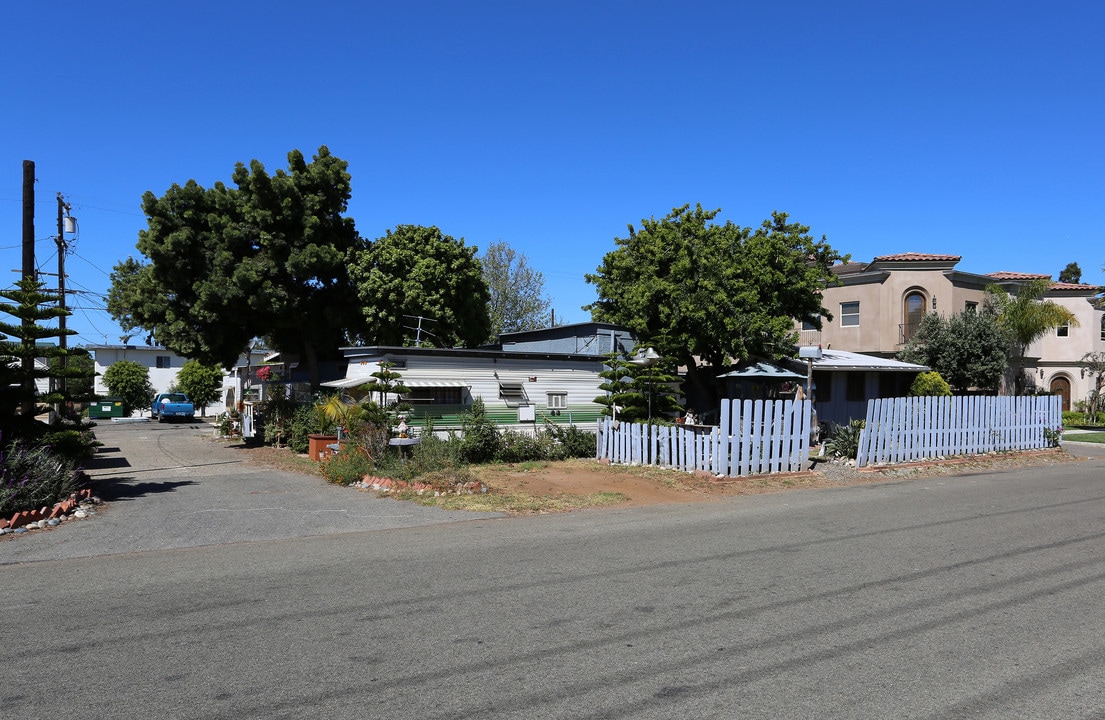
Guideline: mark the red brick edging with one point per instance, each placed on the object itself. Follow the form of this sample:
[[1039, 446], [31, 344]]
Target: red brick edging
[[45, 513]]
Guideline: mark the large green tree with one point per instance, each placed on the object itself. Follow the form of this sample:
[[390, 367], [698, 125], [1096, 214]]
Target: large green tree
[[1026, 316], [418, 285], [130, 382], [265, 258], [969, 349], [709, 294], [518, 301]]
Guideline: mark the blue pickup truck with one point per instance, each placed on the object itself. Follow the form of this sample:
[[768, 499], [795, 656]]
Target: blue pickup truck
[[170, 406]]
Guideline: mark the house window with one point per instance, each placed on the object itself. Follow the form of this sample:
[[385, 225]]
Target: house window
[[849, 314], [1063, 330], [857, 387], [822, 387], [971, 306], [434, 396], [557, 401], [807, 325], [1103, 327], [163, 361], [912, 313]]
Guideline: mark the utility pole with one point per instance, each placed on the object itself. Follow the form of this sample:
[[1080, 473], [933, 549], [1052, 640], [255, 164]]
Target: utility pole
[[63, 211], [27, 405]]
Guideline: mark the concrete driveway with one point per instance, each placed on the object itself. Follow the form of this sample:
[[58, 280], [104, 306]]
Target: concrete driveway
[[174, 485]]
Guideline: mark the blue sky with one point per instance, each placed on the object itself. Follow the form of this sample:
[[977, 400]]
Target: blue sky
[[972, 128]]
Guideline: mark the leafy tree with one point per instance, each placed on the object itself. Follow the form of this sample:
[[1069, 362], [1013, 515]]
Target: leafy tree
[[79, 373], [1094, 362], [386, 382], [714, 292], [1071, 274], [518, 300], [29, 304], [414, 274], [130, 382], [266, 258], [638, 391], [201, 383], [968, 349], [1026, 317], [64, 437]]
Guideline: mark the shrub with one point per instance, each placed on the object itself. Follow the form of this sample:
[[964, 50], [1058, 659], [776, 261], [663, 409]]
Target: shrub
[[571, 442], [480, 441], [516, 447], [844, 439], [307, 420], [349, 466], [34, 477], [929, 383], [1074, 417]]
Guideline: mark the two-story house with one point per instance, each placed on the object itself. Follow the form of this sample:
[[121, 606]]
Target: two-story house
[[879, 305]]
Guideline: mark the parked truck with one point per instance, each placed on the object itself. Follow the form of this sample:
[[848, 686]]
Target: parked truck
[[170, 406]]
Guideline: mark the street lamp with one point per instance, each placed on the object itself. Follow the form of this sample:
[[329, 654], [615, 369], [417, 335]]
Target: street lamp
[[646, 358]]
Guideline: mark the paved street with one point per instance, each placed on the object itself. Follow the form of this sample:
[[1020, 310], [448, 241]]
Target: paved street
[[977, 596], [172, 485]]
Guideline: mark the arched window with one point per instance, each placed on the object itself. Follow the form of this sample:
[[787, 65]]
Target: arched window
[[913, 311]]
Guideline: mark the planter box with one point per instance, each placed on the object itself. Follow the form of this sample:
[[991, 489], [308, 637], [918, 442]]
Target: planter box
[[317, 446]]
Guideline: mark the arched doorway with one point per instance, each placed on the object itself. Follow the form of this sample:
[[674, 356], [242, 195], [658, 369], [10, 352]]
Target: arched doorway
[[913, 310], [1061, 386]]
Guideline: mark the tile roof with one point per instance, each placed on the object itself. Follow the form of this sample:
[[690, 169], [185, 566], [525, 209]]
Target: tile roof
[[1018, 276], [1075, 286], [911, 256]]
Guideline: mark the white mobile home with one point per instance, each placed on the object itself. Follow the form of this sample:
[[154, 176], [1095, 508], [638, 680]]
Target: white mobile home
[[521, 386]]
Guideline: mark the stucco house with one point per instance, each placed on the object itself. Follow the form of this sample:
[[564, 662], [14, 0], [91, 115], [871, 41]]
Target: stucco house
[[879, 306], [163, 366]]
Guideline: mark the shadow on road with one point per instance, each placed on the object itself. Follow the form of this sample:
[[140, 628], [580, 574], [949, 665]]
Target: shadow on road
[[120, 489]]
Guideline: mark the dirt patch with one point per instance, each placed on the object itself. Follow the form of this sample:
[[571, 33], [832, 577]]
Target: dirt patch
[[655, 486]]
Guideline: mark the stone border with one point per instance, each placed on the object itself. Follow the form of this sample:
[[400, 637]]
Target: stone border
[[64, 507]]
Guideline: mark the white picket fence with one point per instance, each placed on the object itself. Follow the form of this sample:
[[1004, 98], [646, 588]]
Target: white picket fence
[[918, 428], [755, 437]]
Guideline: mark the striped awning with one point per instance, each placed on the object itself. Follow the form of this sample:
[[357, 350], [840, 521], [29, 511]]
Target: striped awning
[[419, 383], [410, 383]]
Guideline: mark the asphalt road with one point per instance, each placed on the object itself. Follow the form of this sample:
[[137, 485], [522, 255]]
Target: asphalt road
[[172, 485], [978, 596]]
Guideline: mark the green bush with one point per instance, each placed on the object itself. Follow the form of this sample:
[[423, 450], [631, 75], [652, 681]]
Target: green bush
[[35, 477], [1073, 418], [571, 442], [844, 439], [516, 447], [929, 383], [306, 420], [480, 439], [349, 466]]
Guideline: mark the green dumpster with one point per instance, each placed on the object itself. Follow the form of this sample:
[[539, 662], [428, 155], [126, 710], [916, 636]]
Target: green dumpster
[[111, 407]]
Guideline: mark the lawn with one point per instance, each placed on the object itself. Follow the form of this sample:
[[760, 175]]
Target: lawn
[[1094, 437]]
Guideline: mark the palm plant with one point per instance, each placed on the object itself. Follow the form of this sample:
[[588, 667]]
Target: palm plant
[[1027, 317]]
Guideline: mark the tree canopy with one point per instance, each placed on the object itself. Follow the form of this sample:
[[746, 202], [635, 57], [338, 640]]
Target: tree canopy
[[266, 258], [418, 277], [715, 292], [968, 349], [130, 382], [518, 301], [1026, 316], [1071, 273], [201, 383]]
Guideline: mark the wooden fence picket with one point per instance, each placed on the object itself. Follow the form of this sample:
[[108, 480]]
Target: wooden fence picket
[[906, 429]]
